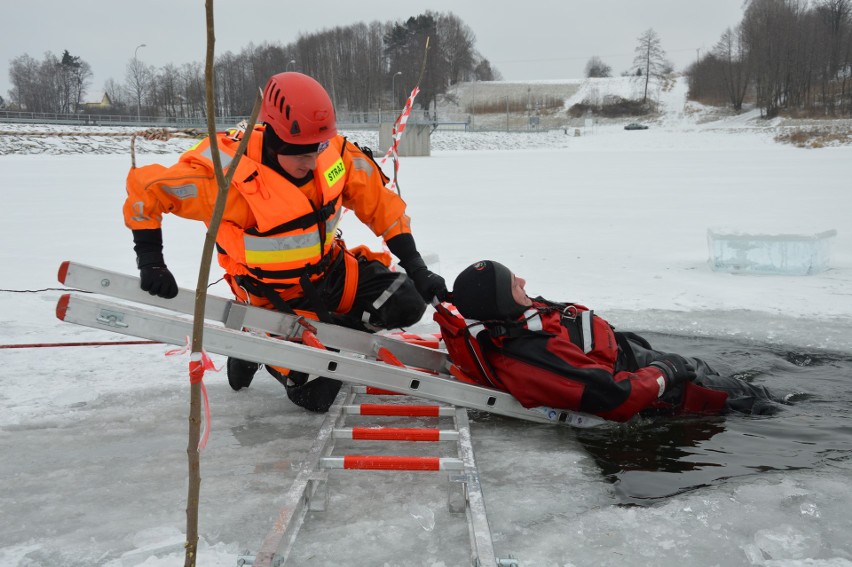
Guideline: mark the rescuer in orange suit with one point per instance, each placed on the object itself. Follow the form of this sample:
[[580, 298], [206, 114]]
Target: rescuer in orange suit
[[278, 242]]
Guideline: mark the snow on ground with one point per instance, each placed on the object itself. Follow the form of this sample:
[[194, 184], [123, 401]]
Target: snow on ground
[[94, 438]]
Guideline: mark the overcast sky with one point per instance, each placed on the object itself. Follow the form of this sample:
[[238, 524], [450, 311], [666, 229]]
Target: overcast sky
[[548, 39]]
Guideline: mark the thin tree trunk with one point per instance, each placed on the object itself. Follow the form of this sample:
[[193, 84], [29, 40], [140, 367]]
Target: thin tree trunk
[[196, 369]]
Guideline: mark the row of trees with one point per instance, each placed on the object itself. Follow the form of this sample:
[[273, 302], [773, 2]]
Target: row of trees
[[788, 55], [363, 66], [53, 84], [784, 55]]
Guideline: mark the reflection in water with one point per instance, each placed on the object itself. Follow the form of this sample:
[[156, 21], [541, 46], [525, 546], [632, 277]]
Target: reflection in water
[[655, 458]]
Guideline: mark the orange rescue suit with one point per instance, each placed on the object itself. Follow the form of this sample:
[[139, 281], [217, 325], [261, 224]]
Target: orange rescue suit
[[272, 230]]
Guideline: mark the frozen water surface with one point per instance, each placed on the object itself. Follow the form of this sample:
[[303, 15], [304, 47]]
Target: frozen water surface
[[94, 438]]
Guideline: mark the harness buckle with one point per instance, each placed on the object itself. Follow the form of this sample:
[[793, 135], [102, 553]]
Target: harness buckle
[[570, 312]]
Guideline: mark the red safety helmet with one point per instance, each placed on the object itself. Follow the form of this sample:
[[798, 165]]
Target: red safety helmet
[[298, 109]]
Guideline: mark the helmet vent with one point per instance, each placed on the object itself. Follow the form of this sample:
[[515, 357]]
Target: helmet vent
[[294, 128], [287, 112]]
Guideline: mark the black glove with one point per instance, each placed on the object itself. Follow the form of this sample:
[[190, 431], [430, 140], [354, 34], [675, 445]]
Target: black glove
[[156, 277], [429, 284], [676, 369]]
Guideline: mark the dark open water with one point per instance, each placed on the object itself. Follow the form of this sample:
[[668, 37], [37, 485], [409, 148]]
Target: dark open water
[[653, 459]]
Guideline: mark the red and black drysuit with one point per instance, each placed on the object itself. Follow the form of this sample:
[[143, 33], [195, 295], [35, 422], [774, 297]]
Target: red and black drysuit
[[564, 356]]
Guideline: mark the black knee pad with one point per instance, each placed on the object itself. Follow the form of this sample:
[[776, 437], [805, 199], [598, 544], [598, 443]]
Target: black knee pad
[[402, 309]]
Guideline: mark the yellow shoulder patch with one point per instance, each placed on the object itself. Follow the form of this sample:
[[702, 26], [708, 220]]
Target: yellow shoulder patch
[[335, 172]]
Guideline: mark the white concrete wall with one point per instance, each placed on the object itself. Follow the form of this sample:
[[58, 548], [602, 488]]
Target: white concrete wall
[[415, 139]]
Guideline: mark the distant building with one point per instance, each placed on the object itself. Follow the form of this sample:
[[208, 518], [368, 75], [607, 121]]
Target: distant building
[[101, 104]]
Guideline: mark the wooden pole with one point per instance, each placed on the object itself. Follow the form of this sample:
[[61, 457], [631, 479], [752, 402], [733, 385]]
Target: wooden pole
[[196, 370]]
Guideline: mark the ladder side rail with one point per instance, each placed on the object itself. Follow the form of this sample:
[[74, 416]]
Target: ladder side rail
[[122, 286], [138, 322], [335, 336], [278, 543], [236, 315], [481, 543]]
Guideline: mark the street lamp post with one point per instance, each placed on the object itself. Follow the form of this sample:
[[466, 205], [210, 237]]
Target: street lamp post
[[393, 86], [293, 63], [138, 92]]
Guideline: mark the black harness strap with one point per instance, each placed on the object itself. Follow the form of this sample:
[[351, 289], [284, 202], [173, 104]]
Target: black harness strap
[[308, 220], [314, 298], [626, 351], [261, 289]]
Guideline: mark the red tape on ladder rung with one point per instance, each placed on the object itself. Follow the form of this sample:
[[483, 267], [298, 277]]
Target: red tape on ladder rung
[[387, 409], [394, 434], [386, 462]]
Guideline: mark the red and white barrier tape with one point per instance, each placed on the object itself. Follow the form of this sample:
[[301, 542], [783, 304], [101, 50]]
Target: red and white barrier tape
[[199, 363], [398, 129]]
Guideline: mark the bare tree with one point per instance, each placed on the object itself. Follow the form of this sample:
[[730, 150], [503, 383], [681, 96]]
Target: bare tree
[[457, 53], [73, 78], [650, 58], [596, 68], [167, 92], [735, 66], [26, 91], [193, 84], [835, 34], [139, 79], [766, 28]]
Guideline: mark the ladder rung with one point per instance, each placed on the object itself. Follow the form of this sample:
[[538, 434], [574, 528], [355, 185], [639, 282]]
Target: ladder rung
[[386, 462], [396, 434], [407, 410]]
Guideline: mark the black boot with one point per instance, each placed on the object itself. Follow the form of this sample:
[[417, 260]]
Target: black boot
[[315, 395], [293, 377], [241, 372]]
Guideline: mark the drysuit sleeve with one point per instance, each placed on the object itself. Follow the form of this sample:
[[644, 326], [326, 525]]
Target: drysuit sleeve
[[186, 189], [547, 369], [365, 193]]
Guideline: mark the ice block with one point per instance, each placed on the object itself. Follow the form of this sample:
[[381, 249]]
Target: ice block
[[785, 254]]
